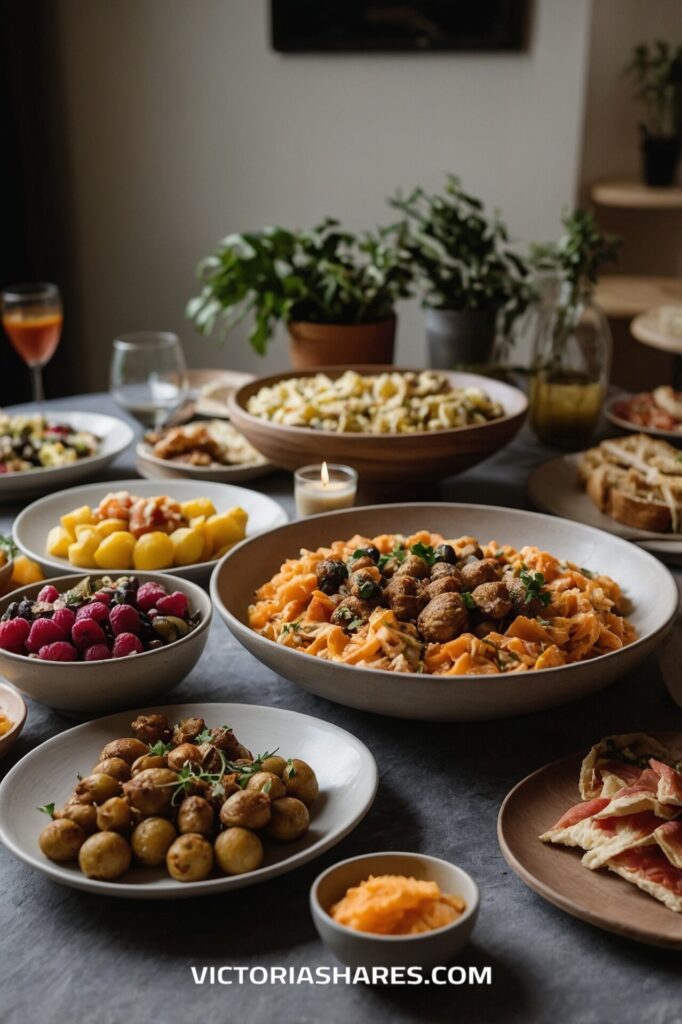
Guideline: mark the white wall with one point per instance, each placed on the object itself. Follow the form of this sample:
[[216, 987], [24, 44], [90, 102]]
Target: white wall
[[183, 125]]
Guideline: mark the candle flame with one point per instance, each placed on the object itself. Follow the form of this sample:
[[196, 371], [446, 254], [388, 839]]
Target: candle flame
[[324, 475]]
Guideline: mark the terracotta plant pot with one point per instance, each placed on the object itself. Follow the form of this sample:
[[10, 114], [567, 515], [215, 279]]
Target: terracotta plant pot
[[312, 345]]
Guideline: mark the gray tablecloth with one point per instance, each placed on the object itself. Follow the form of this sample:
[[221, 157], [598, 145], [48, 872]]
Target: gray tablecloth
[[67, 956]]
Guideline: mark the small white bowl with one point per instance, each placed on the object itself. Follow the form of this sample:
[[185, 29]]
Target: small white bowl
[[365, 949], [11, 704], [82, 688]]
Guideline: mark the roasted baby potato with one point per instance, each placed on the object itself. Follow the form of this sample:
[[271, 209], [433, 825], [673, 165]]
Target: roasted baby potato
[[196, 815], [114, 815], [237, 850], [105, 856], [268, 783], [248, 808], [96, 788], [190, 858], [300, 781], [114, 766], [289, 820], [151, 791], [127, 749], [61, 840], [151, 840]]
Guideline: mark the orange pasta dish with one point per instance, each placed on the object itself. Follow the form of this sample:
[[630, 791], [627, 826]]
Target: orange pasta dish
[[443, 607]]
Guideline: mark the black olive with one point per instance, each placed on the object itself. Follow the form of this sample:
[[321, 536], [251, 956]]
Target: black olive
[[126, 590], [373, 553], [445, 553], [25, 610], [331, 573], [11, 611]]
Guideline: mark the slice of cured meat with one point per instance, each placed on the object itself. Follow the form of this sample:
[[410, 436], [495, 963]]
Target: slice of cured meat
[[669, 838], [573, 828], [612, 836], [649, 869], [623, 756], [670, 783], [644, 795]]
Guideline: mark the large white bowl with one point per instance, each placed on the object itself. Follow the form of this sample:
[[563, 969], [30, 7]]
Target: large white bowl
[[79, 688], [346, 771], [647, 584], [114, 434], [32, 525]]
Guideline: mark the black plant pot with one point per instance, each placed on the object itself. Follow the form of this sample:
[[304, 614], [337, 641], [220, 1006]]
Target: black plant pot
[[660, 154]]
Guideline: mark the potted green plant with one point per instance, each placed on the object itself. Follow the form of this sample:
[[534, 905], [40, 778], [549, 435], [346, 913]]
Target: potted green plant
[[470, 278], [657, 75], [335, 291], [571, 337]]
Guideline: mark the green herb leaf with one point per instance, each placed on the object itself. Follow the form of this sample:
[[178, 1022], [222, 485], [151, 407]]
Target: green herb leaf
[[424, 551], [368, 589], [468, 601], [534, 582], [398, 554], [47, 809], [267, 787], [292, 768], [587, 572], [159, 749]]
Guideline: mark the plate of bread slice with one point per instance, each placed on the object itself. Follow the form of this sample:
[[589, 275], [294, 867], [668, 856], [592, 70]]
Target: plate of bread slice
[[630, 486]]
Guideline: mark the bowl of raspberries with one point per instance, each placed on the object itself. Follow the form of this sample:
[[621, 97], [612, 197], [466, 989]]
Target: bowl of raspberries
[[94, 644]]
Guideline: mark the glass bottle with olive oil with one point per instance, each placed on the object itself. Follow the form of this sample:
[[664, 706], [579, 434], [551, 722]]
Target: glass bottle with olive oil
[[570, 371]]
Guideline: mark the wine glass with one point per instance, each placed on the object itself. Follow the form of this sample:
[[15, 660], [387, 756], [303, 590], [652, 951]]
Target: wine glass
[[148, 376], [32, 317]]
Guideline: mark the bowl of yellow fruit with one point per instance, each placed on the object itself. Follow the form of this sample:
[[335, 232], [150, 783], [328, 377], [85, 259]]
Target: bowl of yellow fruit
[[142, 526]]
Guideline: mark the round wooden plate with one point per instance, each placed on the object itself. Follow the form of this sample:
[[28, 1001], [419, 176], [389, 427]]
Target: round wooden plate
[[555, 872]]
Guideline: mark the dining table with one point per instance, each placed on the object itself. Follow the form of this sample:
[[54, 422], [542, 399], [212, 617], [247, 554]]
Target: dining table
[[74, 956]]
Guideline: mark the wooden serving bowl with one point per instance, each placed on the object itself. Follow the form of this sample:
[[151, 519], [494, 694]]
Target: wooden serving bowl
[[383, 457]]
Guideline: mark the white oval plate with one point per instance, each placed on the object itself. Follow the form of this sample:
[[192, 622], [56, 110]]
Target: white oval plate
[[346, 771], [634, 428], [150, 465], [32, 525], [646, 583], [114, 434]]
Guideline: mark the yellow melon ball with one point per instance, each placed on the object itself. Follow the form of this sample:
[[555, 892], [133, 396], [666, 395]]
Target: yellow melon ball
[[197, 507], [116, 551], [82, 552], [188, 546], [24, 571], [58, 540], [223, 529], [107, 526], [78, 517], [85, 530], [153, 551]]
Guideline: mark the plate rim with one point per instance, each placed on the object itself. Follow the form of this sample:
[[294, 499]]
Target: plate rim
[[635, 428], [58, 563], [206, 886], [557, 899], [143, 451], [649, 637]]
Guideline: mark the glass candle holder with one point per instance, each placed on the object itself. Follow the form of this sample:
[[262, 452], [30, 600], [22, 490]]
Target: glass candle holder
[[324, 488]]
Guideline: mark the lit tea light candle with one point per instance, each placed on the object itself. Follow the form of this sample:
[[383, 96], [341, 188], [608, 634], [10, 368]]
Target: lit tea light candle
[[324, 488]]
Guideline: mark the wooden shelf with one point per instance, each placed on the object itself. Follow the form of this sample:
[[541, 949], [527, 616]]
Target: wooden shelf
[[634, 195], [625, 296]]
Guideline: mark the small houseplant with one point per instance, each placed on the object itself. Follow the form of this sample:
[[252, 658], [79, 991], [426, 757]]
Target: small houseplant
[[468, 274], [572, 340], [335, 291], [657, 75]]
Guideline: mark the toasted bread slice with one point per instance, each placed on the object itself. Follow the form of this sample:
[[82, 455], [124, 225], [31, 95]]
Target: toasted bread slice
[[639, 512]]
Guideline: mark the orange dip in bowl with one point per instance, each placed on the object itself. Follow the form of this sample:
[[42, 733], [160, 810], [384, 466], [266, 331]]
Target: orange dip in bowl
[[396, 905]]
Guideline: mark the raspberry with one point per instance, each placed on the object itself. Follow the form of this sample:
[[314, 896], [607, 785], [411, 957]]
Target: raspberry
[[98, 652], [103, 596], [125, 644], [174, 604], [64, 618], [48, 594], [96, 610], [124, 619], [13, 635], [42, 632], [148, 594], [59, 651], [87, 632]]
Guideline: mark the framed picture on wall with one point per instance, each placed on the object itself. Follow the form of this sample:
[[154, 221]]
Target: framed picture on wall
[[308, 26]]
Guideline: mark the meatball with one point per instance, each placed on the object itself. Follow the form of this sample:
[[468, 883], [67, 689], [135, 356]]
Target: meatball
[[224, 739], [151, 840], [195, 815], [182, 754], [331, 573], [406, 596], [444, 618], [493, 600], [114, 815], [349, 610], [443, 585], [442, 569], [151, 791], [152, 728], [290, 820], [96, 788], [361, 562], [300, 781], [127, 749], [269, 783], [211, 758], [114, 766], [473, 574], [105, 856], [190, 858], [249, 808], [365, 584], [368, 555], [61, 840], [237, 851], [518, 593], [187, 730], [468, 552], [413, 565]]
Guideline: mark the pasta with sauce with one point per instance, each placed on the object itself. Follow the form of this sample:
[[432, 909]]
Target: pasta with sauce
[[425, 604]]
